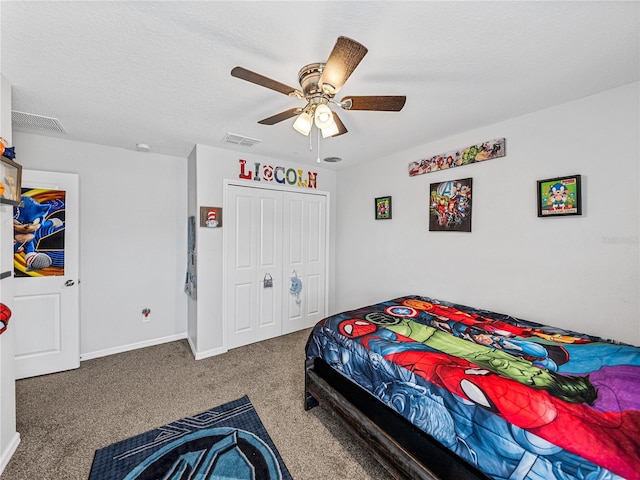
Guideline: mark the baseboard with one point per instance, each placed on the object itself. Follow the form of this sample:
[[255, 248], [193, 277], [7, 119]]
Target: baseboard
[[209, 353], [9, 451], [132, 346], [191, 345]]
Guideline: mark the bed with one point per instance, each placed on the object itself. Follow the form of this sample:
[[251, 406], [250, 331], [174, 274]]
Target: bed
[[438, 390]]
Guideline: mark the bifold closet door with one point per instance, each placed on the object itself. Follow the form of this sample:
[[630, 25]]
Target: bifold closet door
[[253, 229], [304, 253]]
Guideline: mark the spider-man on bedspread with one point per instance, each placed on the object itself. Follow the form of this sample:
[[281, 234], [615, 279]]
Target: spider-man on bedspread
[[516, 399]]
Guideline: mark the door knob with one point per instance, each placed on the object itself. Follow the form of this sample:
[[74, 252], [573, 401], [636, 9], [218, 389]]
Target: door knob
[[69, 283]]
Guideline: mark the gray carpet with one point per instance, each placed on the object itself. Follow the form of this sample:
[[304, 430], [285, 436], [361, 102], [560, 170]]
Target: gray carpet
[[63, 418]]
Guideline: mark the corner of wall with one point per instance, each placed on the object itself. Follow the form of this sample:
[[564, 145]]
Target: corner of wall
[[9, 438]]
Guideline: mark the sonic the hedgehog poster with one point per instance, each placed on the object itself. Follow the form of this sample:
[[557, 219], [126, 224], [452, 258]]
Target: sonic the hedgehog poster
[[38, 233]]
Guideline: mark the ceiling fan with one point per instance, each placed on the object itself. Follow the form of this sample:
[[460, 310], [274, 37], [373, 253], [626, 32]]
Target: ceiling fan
[[319, 84]]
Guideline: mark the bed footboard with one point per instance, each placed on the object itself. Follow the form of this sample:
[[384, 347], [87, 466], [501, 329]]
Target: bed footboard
[[404, 451]]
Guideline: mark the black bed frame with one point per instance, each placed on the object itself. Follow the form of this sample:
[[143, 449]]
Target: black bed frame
[[405, 451]]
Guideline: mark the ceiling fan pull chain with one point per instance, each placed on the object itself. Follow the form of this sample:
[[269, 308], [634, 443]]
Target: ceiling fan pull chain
[[318, 130]]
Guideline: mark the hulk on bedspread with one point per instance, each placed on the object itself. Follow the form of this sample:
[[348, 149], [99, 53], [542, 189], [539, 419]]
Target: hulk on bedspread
[[507, 414]]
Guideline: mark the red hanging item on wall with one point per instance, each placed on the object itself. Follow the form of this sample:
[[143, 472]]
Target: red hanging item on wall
[[5, 315]]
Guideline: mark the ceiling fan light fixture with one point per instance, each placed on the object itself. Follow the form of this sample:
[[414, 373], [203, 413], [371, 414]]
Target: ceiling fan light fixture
[[303, 123], [330, 130], [319, 83], [323, 116]]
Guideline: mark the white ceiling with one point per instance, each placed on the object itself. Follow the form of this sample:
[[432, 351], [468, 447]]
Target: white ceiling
[[158, 72]]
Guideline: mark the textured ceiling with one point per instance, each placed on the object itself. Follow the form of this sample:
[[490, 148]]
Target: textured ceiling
[[158, 72]]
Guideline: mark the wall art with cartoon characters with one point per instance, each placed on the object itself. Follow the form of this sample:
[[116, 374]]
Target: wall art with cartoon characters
[[450, 206], [457, 158], [38, 233], [560, 196]]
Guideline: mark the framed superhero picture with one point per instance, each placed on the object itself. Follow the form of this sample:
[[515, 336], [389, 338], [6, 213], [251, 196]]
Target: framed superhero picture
[[383, 208], [560, 196], [450, 206]]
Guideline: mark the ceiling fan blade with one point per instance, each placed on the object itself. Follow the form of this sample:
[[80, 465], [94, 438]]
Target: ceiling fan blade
[[249, 76], [344, 58], [341, 128], [388, 103], [281, 116]]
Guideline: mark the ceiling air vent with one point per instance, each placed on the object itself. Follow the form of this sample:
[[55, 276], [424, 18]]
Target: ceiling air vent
[[240, 140], [30, 120]]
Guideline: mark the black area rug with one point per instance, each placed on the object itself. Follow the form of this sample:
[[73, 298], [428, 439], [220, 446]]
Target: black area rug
[[226, 442]]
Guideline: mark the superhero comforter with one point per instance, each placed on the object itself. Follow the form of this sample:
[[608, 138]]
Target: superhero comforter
[[517, 399]]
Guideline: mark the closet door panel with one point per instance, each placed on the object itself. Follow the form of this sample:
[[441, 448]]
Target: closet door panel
[[315, 232], [240, 296], [270, 264], [305, 249], [253, 237], [243, 301], [315, 259], [315, 298], [294, 230], [244, 255], [270, 232]]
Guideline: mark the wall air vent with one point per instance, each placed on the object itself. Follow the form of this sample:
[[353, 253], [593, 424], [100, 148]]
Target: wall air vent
[[30, 120], [240, 140]]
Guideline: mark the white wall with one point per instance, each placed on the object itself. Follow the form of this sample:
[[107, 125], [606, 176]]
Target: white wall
[[213, 166], [133, 240], [580, 272]]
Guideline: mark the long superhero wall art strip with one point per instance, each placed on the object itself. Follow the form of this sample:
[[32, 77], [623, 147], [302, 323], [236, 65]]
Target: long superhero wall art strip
[[38, 233], [457, 158]]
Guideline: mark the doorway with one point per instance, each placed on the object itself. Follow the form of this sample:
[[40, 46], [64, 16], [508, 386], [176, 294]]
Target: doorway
[[46, 296]]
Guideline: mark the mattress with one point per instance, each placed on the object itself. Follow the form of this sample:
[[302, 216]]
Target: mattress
[[514, 398]]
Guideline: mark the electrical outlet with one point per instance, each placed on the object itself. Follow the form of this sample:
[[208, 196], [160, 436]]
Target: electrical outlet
[[146, 315]]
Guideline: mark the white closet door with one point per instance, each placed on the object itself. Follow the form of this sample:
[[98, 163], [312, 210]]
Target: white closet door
[[254, 246], [304, 250]]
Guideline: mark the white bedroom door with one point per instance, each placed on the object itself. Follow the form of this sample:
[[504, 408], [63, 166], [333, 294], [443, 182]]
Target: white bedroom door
[[46, 302], [304, 248]]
